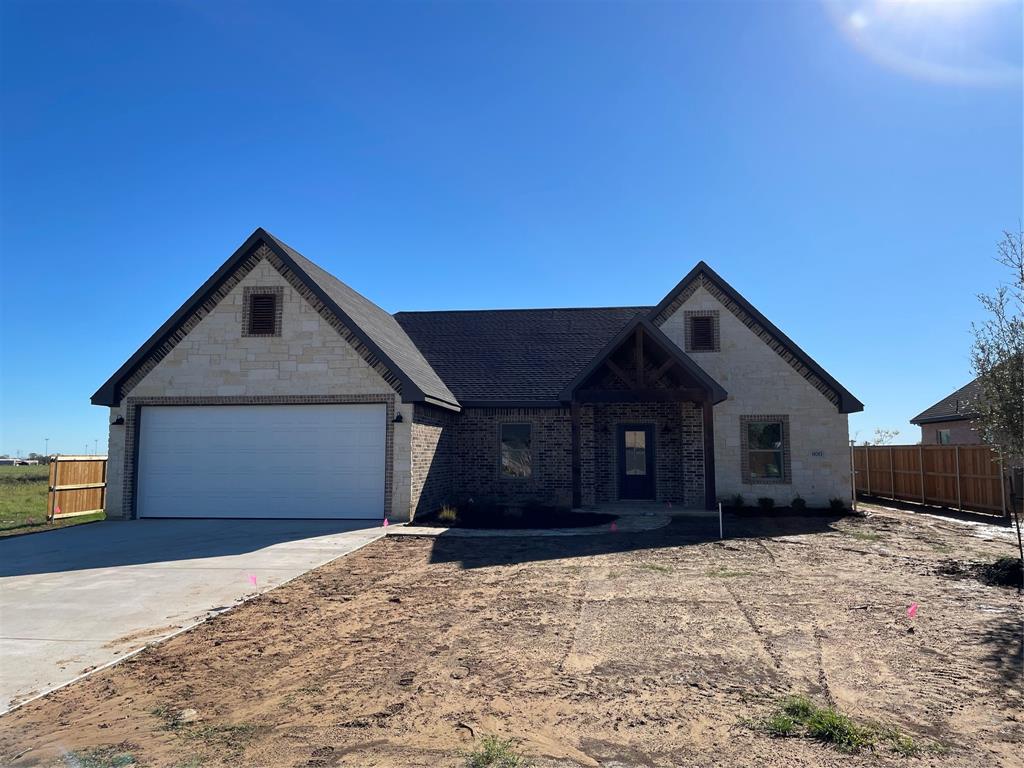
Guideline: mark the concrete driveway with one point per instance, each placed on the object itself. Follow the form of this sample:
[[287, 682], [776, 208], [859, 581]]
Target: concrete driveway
[[78, 598]]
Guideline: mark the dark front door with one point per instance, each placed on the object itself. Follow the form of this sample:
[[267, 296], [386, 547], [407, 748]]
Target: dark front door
[[636, 461]]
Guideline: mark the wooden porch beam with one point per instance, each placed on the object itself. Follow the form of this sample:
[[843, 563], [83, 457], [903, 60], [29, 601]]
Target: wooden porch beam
[[639, 355], [620, 373], [640, 395]]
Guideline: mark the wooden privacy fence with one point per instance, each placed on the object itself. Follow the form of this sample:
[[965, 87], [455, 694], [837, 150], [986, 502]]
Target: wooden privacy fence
[[78, 486], [959, 476]]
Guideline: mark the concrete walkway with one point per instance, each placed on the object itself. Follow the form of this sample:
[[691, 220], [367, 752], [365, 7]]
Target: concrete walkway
[[75, 599]]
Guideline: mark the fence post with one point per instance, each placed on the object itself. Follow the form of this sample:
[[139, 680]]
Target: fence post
[[959, 504], [51, 495], [853, 478], [892, 474], [920, 466], [1002, 486], [867, 466]]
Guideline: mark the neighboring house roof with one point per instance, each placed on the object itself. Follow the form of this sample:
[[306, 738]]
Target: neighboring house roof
[[704, 276], [955, 407], [374, 328], [513, 355]]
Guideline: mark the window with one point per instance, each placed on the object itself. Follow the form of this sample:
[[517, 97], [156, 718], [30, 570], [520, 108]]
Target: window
[[765, 457], [701, 331], [261, 311], [942, 436], [516, 456]]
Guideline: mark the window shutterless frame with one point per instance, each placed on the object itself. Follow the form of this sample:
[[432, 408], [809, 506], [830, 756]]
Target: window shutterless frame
[[519, 452]]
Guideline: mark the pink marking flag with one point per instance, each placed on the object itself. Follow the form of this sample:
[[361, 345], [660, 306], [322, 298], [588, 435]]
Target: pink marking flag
[[912, 610], [252, 579], [56, 510], [385, 523], [613, 527]]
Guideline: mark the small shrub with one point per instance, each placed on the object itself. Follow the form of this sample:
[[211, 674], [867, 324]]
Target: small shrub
[[448, 514], [798, 707], [799, 716], [766, 503], [780, 724], [494, 752], [838, 729], [799, 504], [737, 501], [837, 505]]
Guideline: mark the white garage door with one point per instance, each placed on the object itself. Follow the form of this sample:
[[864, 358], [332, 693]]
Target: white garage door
[[262, 461]]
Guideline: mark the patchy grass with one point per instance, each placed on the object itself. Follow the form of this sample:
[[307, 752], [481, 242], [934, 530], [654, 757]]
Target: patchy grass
[[726, 573], [110, 756], [23, 502], [494, 752], [799, 716]]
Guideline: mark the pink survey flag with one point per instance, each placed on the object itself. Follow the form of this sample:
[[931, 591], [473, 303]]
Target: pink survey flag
[[613, 527], [56, 510], [385, 523], [252, 579], [912, 610]]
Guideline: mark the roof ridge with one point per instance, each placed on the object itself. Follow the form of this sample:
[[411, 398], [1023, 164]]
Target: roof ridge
[[638, 307]]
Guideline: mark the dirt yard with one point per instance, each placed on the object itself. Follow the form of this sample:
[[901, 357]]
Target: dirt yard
[[654, 649]]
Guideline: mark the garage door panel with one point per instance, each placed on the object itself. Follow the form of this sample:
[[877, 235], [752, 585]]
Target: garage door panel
[[262, 461]]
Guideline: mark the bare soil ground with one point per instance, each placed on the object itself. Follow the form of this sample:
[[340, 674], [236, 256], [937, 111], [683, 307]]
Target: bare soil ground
[[652, 649]]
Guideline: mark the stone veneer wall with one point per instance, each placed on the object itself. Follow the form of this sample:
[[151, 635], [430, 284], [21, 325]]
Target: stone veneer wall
[[432, 449], [309, 362], [761, 381], [678, 450], [476, 457]]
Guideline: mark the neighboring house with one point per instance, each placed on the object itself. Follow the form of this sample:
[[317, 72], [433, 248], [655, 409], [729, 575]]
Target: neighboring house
[[950, 421], [278, 391]]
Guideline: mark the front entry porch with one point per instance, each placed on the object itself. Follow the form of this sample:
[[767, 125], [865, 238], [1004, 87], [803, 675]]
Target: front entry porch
[[642, 426]]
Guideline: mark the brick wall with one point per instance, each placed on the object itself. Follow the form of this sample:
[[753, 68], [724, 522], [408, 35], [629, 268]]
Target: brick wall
[[961, 432], [678, 450], [476, 455], [432, 443]]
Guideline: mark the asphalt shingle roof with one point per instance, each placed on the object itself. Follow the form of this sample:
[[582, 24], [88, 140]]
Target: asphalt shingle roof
[[379, 325], [513, 354], [959, 405]]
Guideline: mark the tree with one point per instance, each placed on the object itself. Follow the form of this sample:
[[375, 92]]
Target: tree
[[997, 358]]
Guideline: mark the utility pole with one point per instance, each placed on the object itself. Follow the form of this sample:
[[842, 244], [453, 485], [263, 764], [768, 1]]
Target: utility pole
[[47, 449], [96, 447]]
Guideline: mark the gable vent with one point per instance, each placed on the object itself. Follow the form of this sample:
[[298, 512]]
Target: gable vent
[[702, 334], [262, 314]]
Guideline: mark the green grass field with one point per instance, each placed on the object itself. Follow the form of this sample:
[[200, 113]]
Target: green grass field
[[23, 502]]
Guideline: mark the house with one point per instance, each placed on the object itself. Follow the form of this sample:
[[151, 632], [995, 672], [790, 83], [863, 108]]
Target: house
[[278, 391], [949, 421]]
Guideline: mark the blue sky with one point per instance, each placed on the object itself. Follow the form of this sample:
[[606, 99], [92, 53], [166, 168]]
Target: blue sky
[[848, 165]]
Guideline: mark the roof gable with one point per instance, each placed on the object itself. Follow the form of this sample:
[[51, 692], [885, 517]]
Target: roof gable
[[954, 407], [372, 332], [714, 390], [703, 276]]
